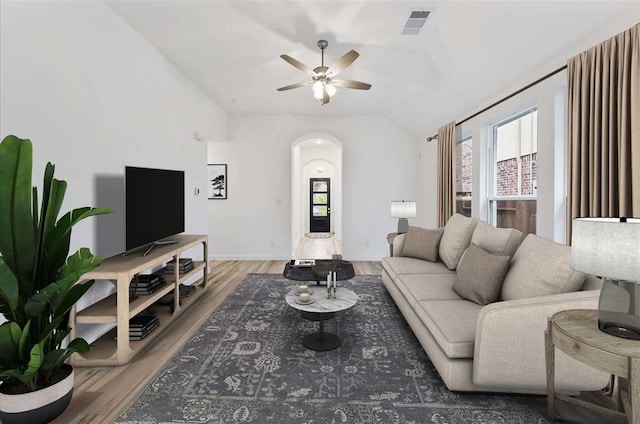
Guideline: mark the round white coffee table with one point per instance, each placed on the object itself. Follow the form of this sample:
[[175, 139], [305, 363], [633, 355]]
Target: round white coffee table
[[320, 309]]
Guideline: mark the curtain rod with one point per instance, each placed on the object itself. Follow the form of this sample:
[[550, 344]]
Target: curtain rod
[[504, 99]]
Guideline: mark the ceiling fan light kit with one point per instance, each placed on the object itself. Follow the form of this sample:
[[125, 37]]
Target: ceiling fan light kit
[[322, 81]]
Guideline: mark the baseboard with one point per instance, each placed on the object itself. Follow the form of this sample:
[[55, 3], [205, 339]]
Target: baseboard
[[281, 258], [248, 258]]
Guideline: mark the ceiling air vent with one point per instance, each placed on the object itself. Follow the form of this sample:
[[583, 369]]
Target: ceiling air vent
[[416, 21]]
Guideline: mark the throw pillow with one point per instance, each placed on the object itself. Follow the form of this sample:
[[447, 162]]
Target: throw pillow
[[455, 239], [497, 241], [480, 274], [540, 267], [421, 243]]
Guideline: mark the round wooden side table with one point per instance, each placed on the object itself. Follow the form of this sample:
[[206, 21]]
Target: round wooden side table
[[575, 332], [390, 238]]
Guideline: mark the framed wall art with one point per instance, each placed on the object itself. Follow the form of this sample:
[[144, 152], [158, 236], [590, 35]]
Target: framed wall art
[[217, 180]]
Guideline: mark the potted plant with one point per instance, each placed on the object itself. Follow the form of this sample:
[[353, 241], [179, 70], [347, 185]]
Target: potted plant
[[37, 289]]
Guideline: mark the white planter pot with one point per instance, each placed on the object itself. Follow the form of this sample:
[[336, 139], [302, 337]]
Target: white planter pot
[[37, 407]]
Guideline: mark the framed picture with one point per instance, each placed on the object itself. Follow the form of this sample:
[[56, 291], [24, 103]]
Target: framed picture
[[217, 180]]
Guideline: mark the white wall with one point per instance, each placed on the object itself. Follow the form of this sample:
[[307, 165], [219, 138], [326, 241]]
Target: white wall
[[379, 165], [94, 96]]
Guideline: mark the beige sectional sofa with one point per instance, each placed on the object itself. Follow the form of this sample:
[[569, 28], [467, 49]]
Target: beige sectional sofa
[[495, 341]]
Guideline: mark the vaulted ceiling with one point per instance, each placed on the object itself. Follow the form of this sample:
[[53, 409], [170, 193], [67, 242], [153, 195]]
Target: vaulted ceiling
[[469, 53]]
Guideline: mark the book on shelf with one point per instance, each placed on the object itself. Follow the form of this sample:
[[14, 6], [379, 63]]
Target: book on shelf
[[137, 337], [146, 284], [147, 291], [303, 262], [184, 262], [141, 321], [186, 291], [181, 269], [141, 325], [138, 333]]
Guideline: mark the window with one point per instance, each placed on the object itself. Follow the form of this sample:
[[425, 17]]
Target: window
[[512, 200], [463, 176]]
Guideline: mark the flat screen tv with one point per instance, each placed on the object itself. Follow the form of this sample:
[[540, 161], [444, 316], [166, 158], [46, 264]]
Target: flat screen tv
[[154, 204]]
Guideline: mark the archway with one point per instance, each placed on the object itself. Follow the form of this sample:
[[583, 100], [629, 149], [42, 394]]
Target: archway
[[314, 155]]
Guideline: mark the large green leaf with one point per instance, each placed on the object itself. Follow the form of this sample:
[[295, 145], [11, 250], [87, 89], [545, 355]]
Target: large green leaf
[[81, 262], [30, 374], [51, 260], [45, 333], [56, 358], [71, 297], [10, 334], [34, 209], [24, 347], [17, 244], [9, 291], [57, 242], [37, 304], [76, 265]]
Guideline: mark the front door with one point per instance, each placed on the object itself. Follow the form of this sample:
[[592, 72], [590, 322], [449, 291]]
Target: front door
[[320, 207]]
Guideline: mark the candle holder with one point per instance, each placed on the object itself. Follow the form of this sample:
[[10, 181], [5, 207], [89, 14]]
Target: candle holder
[[331, 285]]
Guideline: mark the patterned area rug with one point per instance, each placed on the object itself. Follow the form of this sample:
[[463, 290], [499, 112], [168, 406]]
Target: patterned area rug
[[246, 364]]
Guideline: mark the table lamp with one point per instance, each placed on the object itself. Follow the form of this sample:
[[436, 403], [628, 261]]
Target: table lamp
[[403, 209], [610, 248]]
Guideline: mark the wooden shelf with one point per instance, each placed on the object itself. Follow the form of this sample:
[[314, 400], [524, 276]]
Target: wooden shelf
[[116, 309]]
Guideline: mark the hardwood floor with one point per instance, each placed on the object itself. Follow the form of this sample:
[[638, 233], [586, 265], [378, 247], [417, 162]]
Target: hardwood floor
[[323, 247], [101, 394]]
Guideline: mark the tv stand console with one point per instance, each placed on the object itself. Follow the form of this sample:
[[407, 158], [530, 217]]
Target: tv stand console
[[119, 308], [149, 247]]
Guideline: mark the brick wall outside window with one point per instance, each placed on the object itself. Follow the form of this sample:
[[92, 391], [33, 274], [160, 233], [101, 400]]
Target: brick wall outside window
[[463, 168], [529, 174], [507, 179]]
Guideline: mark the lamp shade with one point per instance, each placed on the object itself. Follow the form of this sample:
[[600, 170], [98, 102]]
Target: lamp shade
[[607, 247], [403, 209]]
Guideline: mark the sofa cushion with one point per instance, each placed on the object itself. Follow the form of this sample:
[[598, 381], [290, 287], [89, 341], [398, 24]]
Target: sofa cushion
[[480, 275], [455, 239], [540, 267], [421, 243], [417, 287], [399, 265], [497, 241], [452, 323]]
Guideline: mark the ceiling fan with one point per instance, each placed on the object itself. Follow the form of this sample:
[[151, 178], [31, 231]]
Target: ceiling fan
[[322, 78]]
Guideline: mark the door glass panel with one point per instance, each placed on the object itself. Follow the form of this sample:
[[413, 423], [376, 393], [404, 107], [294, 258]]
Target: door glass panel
[[319, 211], [320, 198], [320, 186]]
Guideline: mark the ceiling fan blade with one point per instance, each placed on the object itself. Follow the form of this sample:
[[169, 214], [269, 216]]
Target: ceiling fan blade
[[297, 64], [351, 84], [296, 85], [346, 60]]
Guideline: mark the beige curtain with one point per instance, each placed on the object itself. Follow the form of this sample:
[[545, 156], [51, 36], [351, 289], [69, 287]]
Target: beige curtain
[[604, 129], [446, 173]]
